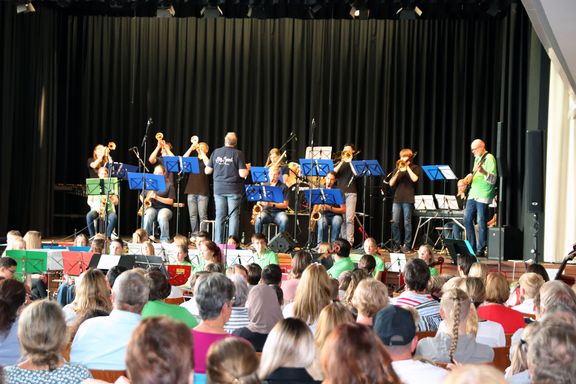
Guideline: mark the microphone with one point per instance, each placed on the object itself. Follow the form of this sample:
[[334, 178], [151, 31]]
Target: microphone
[[313, 122], [293, 135], [149, 123], [133, 149]]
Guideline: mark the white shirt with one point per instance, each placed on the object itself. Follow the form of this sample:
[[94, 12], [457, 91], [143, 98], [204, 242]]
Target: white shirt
[[489, 333], [417, 372], [527, 306]]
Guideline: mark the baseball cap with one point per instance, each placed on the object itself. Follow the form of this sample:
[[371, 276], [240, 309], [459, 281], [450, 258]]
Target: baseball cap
[[394, 325]]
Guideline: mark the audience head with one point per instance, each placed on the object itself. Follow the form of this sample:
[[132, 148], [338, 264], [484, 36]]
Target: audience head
[[497, 288], [454, 310], [530, 284], [81, 240], [519, 351], [475, 374], [140, 236], [289, 344], [370, 246], [237, 269], [369, 297], [465, 262], [42, 333], [211, 252], [254, 274], [156, 352], [478, 270], [416, 275], [312, 294], [12, 299], [240, 290], [356, 277], [214, 267], [272, 274], [396, 328], [33, 240], [130, 291], [214, 293], [263, 309], [158, 284], [435, 285], [331, 316], [300, 261], [367, 263], [233, 241], [113, 274], [553, 293], [425, 253], [116, 247], [474, 287], [232, 361], [92, 292], [354, 354], [342, 247], [539, 269], [7, 267], [259, 242]]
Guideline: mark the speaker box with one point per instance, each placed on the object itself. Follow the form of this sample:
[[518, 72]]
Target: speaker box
[[535, 168], [507, 238], [282, 243]]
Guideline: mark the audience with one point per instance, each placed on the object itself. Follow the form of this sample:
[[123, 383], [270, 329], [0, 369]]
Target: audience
[[272, 275], [288, 351], [479, 270], [352, 354], [300, 261], [42, 335], [530, 284], [369, 297], [254, 275], [475, 374], [368, 264], [396, 327], [497, 292], [237, 269], [113, 274], [416, 276], [7, 267], [356, 277], [232, 361], [159, 291], [264, 312], [342, 262], [425, 253], [465, 262], [239, 317], [100, 342], [214, 294], [91, 293], [12, 301], [140, 236], [371, 248], [457, 345], [518, 370]]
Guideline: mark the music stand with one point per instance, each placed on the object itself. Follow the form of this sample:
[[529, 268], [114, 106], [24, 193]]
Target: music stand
[[266, 193], [318, 153], [103, 187], [458, 247], [76, 262], [75, 248], [146, 182], [259, 175], [146, 262], [397, 262], [120, 170], [439, 172], [424, 202], [180, 165], [364, 169], [447, 202], [313, 167], [28, 262], [325, 196]]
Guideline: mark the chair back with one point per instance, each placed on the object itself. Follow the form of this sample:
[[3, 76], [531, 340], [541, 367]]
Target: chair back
[[106, 375]]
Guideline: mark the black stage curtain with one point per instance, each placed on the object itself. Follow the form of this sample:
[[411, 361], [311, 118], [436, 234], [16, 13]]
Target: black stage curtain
[[431, 85]]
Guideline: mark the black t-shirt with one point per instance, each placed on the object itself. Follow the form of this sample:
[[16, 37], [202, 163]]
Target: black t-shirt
[[284, 195], [92, 173], [405, 187], [226, 161], [198, 183], [344, 176], [169, 193]]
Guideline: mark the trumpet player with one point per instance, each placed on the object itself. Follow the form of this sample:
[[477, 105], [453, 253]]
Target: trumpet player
[[330, 214], [347, 184], [273, 212], [100, 157], [276, 158], [160, 208], [164, 149], [198, 187], [99, 205], [404, 181]]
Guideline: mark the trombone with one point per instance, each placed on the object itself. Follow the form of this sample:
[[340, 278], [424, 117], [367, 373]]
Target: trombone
[[345, 156]]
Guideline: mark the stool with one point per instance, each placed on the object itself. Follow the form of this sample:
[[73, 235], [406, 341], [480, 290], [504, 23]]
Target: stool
[[441, 237], [209, 225], [271, 227]]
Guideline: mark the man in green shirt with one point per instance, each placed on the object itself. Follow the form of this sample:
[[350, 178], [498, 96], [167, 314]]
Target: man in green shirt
[[342, 262], [263, 255], [482, 183]]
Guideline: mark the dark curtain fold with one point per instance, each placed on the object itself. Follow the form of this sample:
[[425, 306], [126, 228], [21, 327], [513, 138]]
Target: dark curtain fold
[[431, 85]]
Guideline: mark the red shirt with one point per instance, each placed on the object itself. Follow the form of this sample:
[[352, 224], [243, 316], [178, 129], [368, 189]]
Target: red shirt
[[510, 319]]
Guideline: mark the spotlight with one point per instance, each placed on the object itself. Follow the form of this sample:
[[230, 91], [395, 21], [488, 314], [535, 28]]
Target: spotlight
[[211, 11], [409, 13], [165, 11], [25, 8], [359, 12]]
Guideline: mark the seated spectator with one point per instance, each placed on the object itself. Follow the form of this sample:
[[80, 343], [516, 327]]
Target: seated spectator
[[263, 256], [100, 342], [91, 293], [12, 299], [416, 276], [457, 345], [518, 370], [497, 292], [370, 296], [425, 252], [435, 285], [475, 374], [465, 262], [113, 274], [214, 267], [140, 236], [371, 248], [239, 317], [73, 328], [7, 267], [42, 335], [300, 261], [515, 298], [342, 262], [254, 275], [272, 275], [530, 284], [313, 294], [288, 351], [232, 361], [367, 263], [353, 353], [264, 312], [214, 294], [279, 294], [237, 269], [191, 305], [396, 327], [159, 291], [155, 353], [480, 270], [356, 277]]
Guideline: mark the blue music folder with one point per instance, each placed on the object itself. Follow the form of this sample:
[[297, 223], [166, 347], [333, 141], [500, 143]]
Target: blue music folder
[[266, 193], [439, 172], [367, 168], [316, 167], [186, 164], [324, 196], [147, 181], [259, 175], [120, 170]]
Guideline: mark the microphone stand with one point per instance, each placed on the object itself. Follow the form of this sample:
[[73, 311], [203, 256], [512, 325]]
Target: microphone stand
[[141, 168], [144, 146]]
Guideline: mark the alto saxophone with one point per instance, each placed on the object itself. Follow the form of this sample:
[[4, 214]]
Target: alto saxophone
[[314, 217], [256, 209], [102, 210]]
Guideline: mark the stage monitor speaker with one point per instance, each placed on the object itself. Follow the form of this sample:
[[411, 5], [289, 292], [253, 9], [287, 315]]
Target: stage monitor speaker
[[535, 170], [507, 238], [282, 243]]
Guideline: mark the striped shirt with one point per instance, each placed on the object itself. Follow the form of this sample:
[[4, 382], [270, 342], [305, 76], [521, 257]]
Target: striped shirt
[[238, 319], [427, 307]]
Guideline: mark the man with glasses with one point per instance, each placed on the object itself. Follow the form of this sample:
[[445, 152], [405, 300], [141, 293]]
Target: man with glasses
[[7, 267], [482, 181]]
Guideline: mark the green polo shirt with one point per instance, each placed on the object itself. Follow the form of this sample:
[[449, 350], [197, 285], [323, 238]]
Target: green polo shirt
[[176, 312], [267, 258], [481, 189], [433, 271], [379, 265], [342, 265]]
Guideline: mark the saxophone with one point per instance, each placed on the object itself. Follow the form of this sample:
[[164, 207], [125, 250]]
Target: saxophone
[[102, 209], [314, 217], [256, 209], [147, 203]]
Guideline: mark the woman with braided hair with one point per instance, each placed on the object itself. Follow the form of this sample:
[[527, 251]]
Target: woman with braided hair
[[454, 343]]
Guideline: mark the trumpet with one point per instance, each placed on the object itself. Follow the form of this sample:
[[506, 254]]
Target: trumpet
[[160, 138], [401, 164], [111, 146], [194, 140], [147, 203], [256, 209], [345, 156]]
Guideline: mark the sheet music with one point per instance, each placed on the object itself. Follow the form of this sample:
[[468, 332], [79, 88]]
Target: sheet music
[[424, 202], [397, 262], [108, 261], [447, 202], [319, 153], [447, 172]]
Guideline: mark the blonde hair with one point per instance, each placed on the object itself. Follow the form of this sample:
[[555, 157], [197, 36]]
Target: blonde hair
[[355, 278], [497, 289], [289, 344], [181, 240], [455, 304], [475, 374], [478, 270], [330, 317], [519, 351], [232, 361], [148, 248], [42, 333], [313, 293], [92, 293], [370, 296], [33, 240], [139, 236], [531, 282]]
